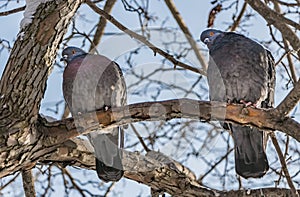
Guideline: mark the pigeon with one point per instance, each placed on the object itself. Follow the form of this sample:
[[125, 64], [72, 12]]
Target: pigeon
[[92, 82], [242, 71]]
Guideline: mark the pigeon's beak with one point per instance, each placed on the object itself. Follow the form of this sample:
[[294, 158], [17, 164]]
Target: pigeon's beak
[[206, 41], [64, 58]]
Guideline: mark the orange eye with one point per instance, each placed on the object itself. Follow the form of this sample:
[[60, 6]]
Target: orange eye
[[73, 52], [211, 33]]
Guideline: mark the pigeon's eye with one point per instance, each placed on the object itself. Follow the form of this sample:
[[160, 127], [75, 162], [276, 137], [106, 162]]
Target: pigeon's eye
[[73, 52], [211, 33]]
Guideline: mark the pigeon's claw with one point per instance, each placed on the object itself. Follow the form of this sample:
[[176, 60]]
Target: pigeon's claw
[[248, 103]]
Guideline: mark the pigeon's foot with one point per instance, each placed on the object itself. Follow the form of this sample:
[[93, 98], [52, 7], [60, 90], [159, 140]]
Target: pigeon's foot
[[248, 104]]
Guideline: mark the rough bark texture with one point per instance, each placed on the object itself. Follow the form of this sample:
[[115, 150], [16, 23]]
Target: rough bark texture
[[155, 170], [56, 134], [24, 81], [177, 108]]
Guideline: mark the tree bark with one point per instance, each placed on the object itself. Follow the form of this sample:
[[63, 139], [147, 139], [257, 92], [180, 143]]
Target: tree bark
[[23, 82], [53, 135]]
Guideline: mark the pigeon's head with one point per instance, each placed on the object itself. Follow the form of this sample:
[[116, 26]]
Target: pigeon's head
[[70, 53], [208, 36]]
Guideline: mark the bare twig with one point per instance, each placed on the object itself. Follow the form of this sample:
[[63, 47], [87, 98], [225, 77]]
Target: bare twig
[[101, 24], [13, 11], [186, 31], [142, 39], [238, 19], [140, 138], [28, 183], [282, 57], [9, 182], [286, 48], [290, 61], [280, 22], [284, 166], [109, 189], [286, 3], [216, 164], [212, 14], [74, 184]]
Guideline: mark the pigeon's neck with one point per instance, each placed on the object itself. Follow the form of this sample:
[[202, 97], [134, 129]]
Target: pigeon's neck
[[73, 64]]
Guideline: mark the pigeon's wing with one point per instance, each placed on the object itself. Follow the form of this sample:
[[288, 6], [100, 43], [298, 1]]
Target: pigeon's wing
[[242, 67], [111, 89], [242, 70], [94, 82]]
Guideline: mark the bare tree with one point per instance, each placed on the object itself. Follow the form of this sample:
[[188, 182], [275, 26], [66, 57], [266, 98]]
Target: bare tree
[[174, 143]]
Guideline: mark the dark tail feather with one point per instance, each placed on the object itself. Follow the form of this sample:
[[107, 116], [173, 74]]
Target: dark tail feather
[[108, 154], [250, 157], [107, 173]]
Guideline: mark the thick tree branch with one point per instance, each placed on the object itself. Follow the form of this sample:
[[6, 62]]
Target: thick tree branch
[[53, 135], [142, 39], [170, 109], [23, 82], [259, 5], [155, 170]]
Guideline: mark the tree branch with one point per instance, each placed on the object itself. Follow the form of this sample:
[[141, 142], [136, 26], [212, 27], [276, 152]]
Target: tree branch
[[28, 183], [53, 134], [289, 102], [13, 11], [186, 31], [280, 22], [101, 24], [155, 170], [239, 18], [170, 109], [23, 82], [284, 166], [286, 48]]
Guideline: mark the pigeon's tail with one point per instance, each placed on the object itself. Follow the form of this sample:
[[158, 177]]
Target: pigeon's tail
[[250, 156], [108, 155], [108, 173]]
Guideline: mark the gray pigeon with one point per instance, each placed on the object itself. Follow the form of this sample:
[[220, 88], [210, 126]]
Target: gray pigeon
[[93, 82], [242, 71]]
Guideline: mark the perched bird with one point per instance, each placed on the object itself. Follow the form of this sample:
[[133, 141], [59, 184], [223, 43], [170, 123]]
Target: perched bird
[[242, 71], [93, 82]]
